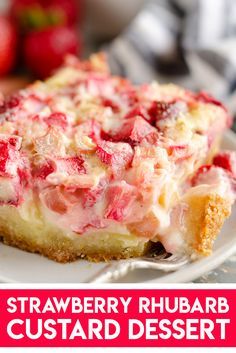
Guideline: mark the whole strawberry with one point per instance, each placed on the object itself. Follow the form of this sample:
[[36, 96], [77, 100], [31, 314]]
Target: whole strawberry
[[37, 14], [8, 42], [45, 50]]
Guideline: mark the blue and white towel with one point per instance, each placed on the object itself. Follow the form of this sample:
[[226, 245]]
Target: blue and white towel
[[188, 42]]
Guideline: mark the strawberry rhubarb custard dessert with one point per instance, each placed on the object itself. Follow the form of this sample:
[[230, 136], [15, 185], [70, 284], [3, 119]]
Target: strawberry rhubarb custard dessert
[[93, 166]]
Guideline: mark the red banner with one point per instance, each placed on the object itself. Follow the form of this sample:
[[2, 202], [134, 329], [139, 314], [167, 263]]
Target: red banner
[[118, 318]]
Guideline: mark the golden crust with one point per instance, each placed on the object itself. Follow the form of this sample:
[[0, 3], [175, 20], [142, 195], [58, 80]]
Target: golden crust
[[63, 255], [40, 237], [205, 217]]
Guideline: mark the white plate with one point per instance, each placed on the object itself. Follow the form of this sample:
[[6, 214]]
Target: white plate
[[20, 266]]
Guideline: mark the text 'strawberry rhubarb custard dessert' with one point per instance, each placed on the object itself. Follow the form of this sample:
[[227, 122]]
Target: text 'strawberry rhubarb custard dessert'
[[92, 166]]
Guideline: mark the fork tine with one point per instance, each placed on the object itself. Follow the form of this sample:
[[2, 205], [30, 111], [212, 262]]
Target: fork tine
[[161, 262]]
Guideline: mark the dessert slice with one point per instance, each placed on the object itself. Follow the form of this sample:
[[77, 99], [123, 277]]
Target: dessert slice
[[92, 166]]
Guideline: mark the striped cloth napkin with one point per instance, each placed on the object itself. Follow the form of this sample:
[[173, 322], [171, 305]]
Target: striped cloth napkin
[[187, 42]]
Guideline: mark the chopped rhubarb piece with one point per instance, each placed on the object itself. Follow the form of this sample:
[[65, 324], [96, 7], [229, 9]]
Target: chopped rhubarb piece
[[153, 138], [133, 130], [51, 143], [120, 198], [118, 155], [54, 200], [90, 128], [179, 152], [91, 196], [207, 98], [58, 119], [227, 161], [86, 225]]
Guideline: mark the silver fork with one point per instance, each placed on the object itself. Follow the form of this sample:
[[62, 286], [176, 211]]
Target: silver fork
[[161, 261]]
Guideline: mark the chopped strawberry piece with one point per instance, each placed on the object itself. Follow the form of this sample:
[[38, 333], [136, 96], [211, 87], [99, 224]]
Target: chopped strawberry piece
[[139, 110], [9, 155], [128, 93], [120, 198], [73, 165], [44, 170], [227, 161], [201, 170], [109, 103], [207, 98], [58, 119], [133, 130], [161, 110], [10, 103], [91, 196], [118, 155], [24, 176], [13, 102], [15, 142], [4, 157]]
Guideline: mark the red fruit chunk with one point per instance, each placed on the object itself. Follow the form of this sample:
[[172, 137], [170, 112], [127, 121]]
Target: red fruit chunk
[[162, 110], [139, 110], [179, 152], [4, 157], [227, 161], [118, 155], [207, 98], [120, 198], [9, 155], [109, 103], [44, 170], [133, 130], [24, 176], [94, 130], [10, 103], [58, 119], [202, 170], [73, 165], [13, 102], [153, 138], [54, 200], [91, 196], [90, 128]]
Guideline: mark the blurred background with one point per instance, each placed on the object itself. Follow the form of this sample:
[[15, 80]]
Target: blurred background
[[188, 42]]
